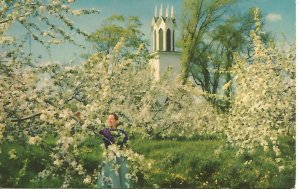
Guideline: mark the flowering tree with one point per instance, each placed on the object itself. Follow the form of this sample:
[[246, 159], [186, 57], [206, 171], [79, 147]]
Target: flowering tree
[[19, 76], [24, 97], [126, 86], [264, 104], [70, 103]]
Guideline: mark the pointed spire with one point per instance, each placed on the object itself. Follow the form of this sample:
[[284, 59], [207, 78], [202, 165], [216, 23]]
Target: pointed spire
[[167, 11], [155, 11], [172, 12], [160, 11]]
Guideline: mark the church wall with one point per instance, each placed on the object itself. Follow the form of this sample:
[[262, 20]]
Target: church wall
[[161, 61], [170, 60]]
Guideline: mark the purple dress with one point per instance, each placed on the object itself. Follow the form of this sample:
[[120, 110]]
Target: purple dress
[[114, 136]]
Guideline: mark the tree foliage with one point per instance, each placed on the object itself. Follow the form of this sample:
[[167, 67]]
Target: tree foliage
[[113, 29], [197, 20], [212, 33]]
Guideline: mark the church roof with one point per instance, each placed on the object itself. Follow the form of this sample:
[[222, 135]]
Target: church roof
[[162, 18]]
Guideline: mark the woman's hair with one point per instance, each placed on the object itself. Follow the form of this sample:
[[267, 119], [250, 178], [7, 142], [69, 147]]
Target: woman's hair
[[115, 115]]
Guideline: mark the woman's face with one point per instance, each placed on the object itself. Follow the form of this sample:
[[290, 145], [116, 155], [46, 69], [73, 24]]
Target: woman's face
[[111, 121]]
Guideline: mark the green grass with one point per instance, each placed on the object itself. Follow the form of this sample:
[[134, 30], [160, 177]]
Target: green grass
[[195, 163], [179, 163], [176, 163]]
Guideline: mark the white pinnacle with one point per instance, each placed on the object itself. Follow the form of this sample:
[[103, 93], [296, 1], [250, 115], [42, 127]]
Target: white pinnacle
[[172, 12], [160, 11], [167, 11]]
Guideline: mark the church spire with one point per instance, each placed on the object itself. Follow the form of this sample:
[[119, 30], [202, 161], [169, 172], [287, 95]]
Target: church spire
[[163, 29], [164, 57], [167, 11], [172, 12], [160, 11]]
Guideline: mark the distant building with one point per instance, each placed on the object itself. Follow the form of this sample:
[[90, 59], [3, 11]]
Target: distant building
[[164, 56]]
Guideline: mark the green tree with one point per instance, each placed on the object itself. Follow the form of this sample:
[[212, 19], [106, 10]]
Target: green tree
[[113, 29], [198, 19], [203, 51], [211, 35]]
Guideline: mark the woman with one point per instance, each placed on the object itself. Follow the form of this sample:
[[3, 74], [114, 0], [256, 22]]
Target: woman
[[115, 170]]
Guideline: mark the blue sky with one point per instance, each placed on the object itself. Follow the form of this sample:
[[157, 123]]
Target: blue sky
[[280, 18]]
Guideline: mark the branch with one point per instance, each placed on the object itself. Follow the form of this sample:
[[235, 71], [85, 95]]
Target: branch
[[167, 127], [25, 118], [167, 102], [197, 80], [3, 21]]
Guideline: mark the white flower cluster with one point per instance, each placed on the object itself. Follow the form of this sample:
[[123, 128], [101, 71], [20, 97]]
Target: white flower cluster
[[12, 153], [34, 140]]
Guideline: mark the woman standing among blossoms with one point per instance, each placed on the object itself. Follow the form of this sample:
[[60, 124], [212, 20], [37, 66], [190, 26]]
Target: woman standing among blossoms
[[114, 173]]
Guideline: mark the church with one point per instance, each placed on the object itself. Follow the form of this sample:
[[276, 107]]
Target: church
[[164, 55]]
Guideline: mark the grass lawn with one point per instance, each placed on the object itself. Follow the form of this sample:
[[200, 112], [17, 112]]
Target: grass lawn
[[175, 163]]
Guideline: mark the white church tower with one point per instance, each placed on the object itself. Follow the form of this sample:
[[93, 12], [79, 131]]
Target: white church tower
[[164, 56]]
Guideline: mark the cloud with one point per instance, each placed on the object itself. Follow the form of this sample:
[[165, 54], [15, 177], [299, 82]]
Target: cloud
[[273, 17]]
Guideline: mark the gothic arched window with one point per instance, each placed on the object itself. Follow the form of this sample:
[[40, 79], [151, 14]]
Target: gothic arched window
[[173, 41], [168, 40], [161, 40]]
